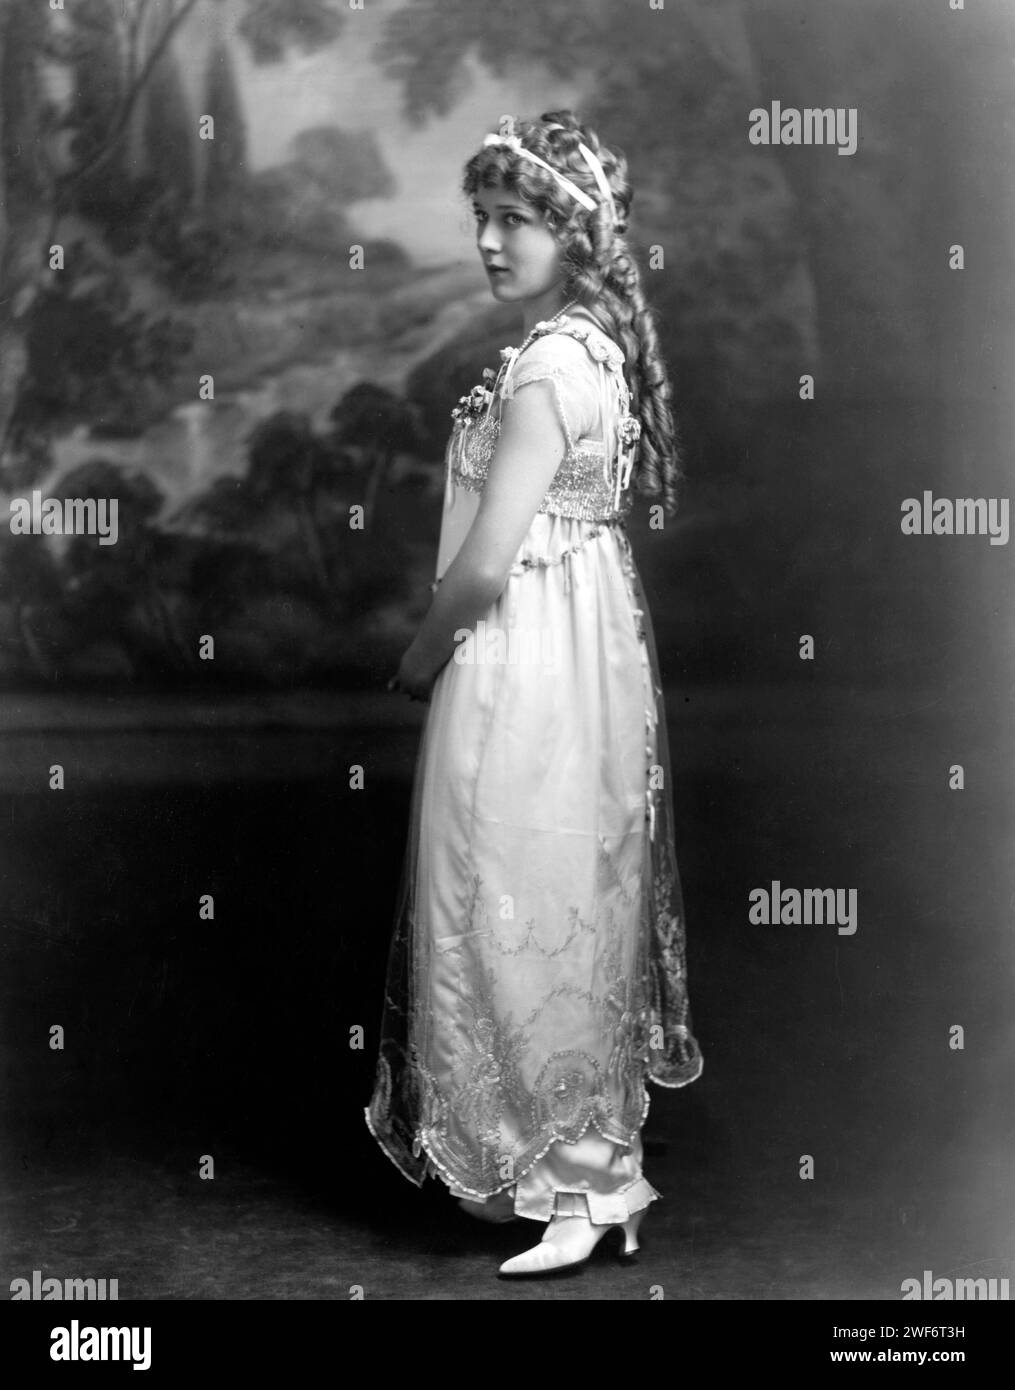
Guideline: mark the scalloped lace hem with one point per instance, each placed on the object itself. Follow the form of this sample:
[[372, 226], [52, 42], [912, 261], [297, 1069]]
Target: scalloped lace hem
[[435, 1167], [390, 1154], [449, 1176], [683, 1080]]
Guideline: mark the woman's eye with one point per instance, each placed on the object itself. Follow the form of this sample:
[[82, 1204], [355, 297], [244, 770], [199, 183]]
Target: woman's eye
[[512, 219]]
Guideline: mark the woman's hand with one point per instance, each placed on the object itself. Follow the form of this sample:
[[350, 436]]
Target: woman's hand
[[413, 678]]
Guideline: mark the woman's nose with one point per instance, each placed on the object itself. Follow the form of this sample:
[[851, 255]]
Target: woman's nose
[[488, 240]]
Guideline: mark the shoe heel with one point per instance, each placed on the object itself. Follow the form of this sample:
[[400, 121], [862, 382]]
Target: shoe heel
[[630, 1231]]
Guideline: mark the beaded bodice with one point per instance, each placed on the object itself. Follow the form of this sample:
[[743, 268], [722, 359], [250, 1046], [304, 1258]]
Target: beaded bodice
[[592, 481]]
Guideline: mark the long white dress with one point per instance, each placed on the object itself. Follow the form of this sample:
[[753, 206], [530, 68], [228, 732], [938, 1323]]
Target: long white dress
[[536, 978]]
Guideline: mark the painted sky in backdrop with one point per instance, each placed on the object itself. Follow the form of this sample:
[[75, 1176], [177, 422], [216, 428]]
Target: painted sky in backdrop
[[342, 85]]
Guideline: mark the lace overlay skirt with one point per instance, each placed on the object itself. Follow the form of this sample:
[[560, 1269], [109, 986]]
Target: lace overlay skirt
[[536, 980]]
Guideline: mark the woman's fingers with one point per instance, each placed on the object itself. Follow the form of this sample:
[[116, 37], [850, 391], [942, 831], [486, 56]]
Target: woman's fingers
[[414, 689], [394, 684]]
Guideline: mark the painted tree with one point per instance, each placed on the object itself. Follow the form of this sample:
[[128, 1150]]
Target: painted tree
[[309, 195], [98, 67], [225, 167], [26, 189], [375, 426], [169, 130], [343, 165], [40, 183]]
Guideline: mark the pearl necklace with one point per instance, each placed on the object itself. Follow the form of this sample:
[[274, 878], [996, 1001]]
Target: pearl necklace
[[510, 355], [544, 324]]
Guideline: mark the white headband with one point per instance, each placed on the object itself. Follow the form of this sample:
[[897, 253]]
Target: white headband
[[599, 174], [513, 143]]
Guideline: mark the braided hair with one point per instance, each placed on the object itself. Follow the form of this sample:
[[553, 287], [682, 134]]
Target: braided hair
[[601, 274]]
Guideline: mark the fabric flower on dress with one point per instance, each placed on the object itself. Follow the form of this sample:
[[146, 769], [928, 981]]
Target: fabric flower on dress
[[629, 431], [472, 406]]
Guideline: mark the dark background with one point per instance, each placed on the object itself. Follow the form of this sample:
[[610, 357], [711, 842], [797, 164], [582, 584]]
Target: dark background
[[231, 1037]]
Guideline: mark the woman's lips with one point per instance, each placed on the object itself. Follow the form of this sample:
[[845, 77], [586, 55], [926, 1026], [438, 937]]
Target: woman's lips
[[497, 270]]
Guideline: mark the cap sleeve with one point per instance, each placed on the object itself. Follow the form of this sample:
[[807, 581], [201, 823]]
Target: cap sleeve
[[562, 361]]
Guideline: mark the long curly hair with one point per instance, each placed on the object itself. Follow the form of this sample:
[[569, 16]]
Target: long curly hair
[[601, 274]]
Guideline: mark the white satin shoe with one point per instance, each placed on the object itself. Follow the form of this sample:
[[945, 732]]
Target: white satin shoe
[[498, 1209], [568, 1241]]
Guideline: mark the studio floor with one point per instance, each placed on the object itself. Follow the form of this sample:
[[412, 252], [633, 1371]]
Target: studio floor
[[255, 1232], [185, 1037]]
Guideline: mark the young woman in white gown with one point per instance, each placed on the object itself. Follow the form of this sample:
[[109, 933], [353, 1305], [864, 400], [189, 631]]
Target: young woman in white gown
[[536, 978]]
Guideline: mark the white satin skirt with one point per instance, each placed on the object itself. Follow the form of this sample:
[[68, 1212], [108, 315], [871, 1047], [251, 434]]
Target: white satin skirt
[[536, 978]]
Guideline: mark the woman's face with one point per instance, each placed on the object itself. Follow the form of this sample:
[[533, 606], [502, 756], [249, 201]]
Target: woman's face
[[521, 255]]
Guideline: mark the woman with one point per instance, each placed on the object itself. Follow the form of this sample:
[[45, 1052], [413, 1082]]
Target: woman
[[536, 978]]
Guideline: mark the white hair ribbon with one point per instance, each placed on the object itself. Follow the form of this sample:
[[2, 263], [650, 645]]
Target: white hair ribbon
[[598, 173], [513, 143]]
